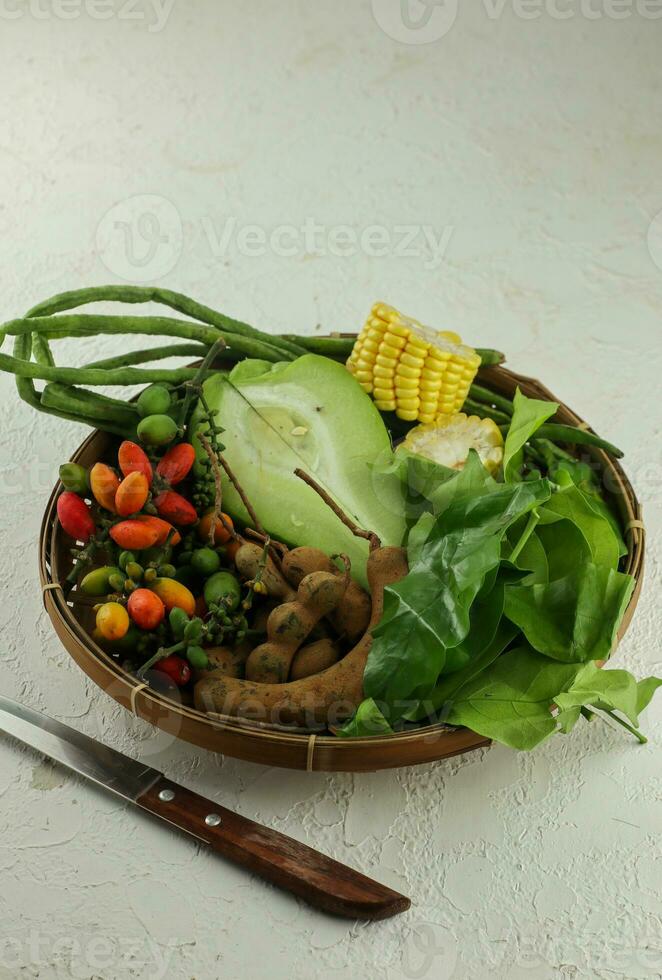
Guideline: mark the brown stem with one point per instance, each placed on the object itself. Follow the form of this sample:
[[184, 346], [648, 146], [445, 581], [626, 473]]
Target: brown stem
[[218, 484], [250, 532], [348, 567], [240, 490], [359, 532]]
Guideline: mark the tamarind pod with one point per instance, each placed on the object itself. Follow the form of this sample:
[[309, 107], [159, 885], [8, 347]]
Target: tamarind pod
[[224, 661], [350, 618], [313, 658], [326, 698], [247, 562], [290, 624]]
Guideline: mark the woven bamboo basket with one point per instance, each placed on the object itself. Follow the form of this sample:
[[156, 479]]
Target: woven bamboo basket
[[268, 745]]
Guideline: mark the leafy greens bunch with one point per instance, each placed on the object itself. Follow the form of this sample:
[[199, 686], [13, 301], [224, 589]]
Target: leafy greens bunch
[[513, 598]]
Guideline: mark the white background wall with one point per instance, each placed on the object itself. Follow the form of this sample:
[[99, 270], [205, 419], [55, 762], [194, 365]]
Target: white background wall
[[530, 146]]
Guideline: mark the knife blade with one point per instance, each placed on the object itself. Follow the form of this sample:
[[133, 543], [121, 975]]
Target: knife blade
[[287, 863]]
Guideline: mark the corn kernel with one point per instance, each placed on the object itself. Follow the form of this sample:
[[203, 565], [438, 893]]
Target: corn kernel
[[405, 371], [394, 340], [412, 361], [385, 406], [408, 384]]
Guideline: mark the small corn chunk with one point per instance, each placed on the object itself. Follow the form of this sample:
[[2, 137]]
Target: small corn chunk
[[417, 372], [449, 440]]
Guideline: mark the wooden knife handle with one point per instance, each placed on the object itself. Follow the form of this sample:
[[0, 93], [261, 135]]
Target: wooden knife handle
[[283, 861]]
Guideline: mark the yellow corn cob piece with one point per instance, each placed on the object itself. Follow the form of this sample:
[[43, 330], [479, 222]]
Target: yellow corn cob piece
[[420, 373], [448, 441]]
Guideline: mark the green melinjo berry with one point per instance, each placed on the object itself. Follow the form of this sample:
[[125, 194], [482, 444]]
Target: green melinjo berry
[[205, 561], [157, 430], [155, 400], [75, 478]]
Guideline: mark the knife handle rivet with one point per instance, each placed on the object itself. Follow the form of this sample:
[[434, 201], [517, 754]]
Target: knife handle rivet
[[212, 819], [166, 795]]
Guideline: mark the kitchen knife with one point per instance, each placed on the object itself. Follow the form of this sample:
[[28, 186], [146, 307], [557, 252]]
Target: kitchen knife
[[285, 862]]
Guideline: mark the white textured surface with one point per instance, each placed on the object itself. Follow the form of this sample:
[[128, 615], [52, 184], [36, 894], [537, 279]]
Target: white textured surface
[[538, 143]]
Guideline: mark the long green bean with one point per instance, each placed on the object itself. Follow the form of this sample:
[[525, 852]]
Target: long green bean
[[94, 376], [41, 350], [150, 354], [341, 347], [28, 393], [486, 411], [99, 408], [176, 301], [489, 357], [573, 436], [337, 347], [480, 394], [71, 325]]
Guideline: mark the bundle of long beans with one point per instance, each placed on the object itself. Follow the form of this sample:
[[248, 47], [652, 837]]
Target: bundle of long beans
[[64, 393]]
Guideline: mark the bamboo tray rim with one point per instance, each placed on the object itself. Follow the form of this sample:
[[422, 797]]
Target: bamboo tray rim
[[150, 704]]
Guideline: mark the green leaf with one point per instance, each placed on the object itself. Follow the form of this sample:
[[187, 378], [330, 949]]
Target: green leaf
[[367, 720], [608, 690], [533, 558], [440, 699], [428, 611], [575, 618], [565, 547], [485, 616], [528, 415], [472, 480], [584, 476], [420, 478], [510, 700], [574, 505]]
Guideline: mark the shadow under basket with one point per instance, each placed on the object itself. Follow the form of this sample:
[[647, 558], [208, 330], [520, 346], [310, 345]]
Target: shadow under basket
[[269, 745]]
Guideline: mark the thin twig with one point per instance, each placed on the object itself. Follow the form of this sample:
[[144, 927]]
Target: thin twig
[[240, 490], [359, 532], [218, 484], [277, 549], [251, 532]]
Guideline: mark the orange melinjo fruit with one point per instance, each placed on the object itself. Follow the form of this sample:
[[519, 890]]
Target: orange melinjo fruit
[[163, 528], [172, 593], [146, 609], [221, 533], [134, 535], [131, 494], [132, 458], [104, 483], [112, 621]]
